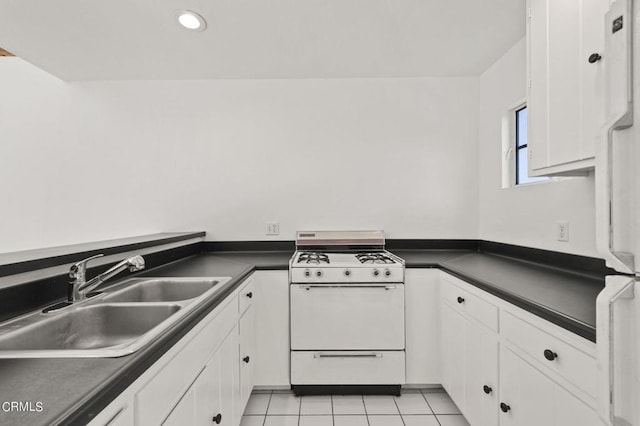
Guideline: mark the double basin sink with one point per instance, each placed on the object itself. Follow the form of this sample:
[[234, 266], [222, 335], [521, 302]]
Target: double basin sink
[[117, 322]]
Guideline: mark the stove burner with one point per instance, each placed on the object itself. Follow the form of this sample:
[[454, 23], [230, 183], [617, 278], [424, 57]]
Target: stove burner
[[374, 258], [312, 257]]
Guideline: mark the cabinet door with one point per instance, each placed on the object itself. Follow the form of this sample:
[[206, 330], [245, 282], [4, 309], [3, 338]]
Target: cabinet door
[[472, 363], [526, 392], [481, 375], [247, 354], [229, 378], [119, 413], [184, 412], [569, 410], [272, 331], [207, 392], [538, 126], [593, 79], [566, 92], [563, 81], [454, 327]]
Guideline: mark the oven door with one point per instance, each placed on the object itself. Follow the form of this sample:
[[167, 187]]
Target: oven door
[[347, 316]]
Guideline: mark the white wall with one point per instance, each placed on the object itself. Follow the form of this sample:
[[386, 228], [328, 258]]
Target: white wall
[[92, 161], [525, 215]]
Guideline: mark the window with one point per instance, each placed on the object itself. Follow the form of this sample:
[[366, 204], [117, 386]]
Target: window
[[522, 176]]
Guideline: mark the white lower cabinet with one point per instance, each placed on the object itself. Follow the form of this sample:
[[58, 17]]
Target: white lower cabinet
[[481, 375], [211, 399], [530, 398], [200, 380], [185, 412], [208, 391], [118, 413], [230, 405], [247, 354], [471, 367], [495, 365]]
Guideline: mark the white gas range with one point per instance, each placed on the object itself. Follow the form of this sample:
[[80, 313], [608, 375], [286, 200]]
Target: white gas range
[[347, 314], [340, 267]]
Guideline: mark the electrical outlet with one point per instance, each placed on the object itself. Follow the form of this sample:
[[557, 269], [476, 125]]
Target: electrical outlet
[[273, 228], [563, 231]]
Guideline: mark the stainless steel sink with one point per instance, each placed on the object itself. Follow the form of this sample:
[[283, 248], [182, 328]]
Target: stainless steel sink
[[162, 290], [123, 319], [89, 327]]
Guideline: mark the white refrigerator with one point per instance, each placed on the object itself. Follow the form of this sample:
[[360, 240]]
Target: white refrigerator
[[618, 220]]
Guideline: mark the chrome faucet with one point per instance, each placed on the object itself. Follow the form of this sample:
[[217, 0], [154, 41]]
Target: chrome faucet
[[79, 286]]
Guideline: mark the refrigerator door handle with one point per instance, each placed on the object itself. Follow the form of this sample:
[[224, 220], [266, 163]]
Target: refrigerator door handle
[[618, 260], [618, 287], [619, 113]]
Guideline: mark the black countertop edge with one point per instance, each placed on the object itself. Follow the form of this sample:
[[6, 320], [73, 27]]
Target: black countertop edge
[[290, 245], [93, 403], [581, 329], [29, 260]]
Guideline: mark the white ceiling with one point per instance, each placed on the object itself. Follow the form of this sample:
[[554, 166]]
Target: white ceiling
[[139, 39]]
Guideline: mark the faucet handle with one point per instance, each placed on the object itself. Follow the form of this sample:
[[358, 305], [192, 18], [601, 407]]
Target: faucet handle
[[78, 270], [136, 263]]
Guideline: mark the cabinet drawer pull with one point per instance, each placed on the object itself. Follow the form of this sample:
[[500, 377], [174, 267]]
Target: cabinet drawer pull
[[217, 418], [504, 407], [594, 57], [249, 295], [460, 299], [351, 286], [487, 389], [246, 359], [550, 355], [367, 355]]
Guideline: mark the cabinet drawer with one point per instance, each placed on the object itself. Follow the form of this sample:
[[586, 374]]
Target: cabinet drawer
[[246, 296], [465, 302], [567, 361], [158, 397], [347, 367]]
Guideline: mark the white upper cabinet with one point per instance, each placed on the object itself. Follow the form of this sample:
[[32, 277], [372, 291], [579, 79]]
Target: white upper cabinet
[[565, 42]]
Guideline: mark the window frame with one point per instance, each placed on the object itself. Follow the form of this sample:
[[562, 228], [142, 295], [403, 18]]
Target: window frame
[[519, 147]]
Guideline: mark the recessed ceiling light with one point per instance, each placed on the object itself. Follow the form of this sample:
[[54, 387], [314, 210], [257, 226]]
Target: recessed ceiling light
[[191, 20]]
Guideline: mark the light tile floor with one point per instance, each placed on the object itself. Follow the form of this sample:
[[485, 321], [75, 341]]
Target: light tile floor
[[416, 407]]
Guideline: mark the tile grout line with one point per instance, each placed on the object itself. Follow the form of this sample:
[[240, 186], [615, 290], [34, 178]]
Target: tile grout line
[[264, 421], [430, 408], [333, 420], [399, 413], [365, 410]]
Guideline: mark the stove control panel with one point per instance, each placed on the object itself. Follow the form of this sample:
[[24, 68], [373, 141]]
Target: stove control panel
[[347, 275]]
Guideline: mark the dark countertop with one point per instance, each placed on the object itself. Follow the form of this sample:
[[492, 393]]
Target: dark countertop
[[73, 390], [565, 298], [428, 258]]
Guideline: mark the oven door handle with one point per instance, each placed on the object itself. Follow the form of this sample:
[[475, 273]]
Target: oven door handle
[[379, 286], [348, 355]]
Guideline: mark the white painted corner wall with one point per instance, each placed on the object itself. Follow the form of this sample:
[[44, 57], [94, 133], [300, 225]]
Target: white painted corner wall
[[92, 161], [417, 157], [526, 215]]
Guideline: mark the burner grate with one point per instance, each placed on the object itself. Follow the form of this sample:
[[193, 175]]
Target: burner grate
[[313, 257], [374, 258]]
